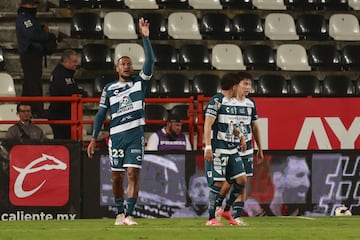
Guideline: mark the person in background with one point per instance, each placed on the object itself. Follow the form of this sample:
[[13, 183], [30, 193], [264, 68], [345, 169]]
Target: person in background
[[198, 193], [125, 98], [31, 38], [62, 83], [169, 137], [24, 129]]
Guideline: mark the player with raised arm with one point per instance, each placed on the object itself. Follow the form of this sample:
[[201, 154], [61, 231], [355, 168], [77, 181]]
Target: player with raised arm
[[125, 100]]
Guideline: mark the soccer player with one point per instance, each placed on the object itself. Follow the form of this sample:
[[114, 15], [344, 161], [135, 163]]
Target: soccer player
[[222, 138], [125, 100], [249, 128]]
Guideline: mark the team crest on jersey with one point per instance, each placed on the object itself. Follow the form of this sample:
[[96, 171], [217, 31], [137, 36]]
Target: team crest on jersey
[[249, 110], [217, 104], [125, 104]]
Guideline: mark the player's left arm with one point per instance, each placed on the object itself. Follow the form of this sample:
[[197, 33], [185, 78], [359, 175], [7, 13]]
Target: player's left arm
[[148, 67]]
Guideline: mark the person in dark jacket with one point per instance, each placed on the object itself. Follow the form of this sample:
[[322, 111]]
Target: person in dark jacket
[[62, 83], [31, 38]]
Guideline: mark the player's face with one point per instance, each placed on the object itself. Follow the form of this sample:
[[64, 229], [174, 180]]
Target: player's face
[[244, 87], [297, 181], [125, 67], [199, 192]]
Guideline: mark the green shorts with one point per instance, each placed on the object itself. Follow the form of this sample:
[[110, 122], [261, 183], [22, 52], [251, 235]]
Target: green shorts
[[126, 149]]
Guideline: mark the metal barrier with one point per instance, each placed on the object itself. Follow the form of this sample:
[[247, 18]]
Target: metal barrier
[[77, 112]]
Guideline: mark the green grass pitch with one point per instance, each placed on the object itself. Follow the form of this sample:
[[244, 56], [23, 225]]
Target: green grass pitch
[[182, 229]]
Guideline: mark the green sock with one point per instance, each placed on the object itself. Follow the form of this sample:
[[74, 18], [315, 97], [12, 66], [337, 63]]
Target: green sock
[[214, 191], [130, 205], [238, 208], [119, 204]]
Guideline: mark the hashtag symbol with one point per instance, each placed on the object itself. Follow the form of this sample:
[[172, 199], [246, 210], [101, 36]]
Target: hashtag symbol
[[344, 186]]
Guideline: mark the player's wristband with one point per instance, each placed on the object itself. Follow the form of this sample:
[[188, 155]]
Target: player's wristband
[[207, 147]]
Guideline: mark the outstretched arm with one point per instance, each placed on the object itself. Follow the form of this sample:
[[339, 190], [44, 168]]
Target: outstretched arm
[[149, 53]]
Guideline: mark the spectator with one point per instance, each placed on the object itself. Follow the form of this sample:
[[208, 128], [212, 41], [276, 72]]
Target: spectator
[[31, 38], [62, 83], [24, 129], [169, 137]]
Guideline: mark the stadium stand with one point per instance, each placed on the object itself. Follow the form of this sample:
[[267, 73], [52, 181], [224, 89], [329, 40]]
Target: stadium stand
[[324, 57], [166, 57], [206, 84], [158, 26], [259, 57], [134, 50], [344, 27], [174, 85], [194, 56], [7, 112], [338, 85], [304, 85], [350, 57], [272, 85], [312, 27]]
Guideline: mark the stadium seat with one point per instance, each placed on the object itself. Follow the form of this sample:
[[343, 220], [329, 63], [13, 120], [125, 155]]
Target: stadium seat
[[2, 59], [357, 87], [110, 4], [155, 112], [153, 89], [101, 81], [300, 5], [7, 85], [259, 57], [194, 56], [350, 57], [304, 85], [272, 85], [338, 5], [173, 4], [86, 25], [158, 25], [7, 112], [174, 85], [133, 50], [96, 56], [205, 4], [354, 4], [280, 26], [269, 4], [236, 4], [216, 26], [292, 57], [248, 26], [324, 57], [344, 27], [183, 25], [166, 57], [114, 30], [312, 27], [141, 4], [206, 84], [337, 86], [227, 56]]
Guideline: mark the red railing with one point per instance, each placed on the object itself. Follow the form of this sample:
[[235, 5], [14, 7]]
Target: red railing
[[77, 112]]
